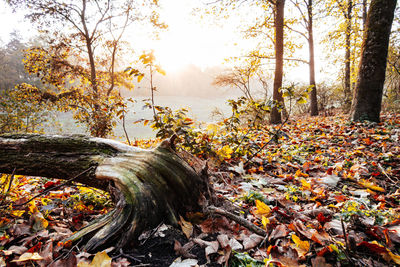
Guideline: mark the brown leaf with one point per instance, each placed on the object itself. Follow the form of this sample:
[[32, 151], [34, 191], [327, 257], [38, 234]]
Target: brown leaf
[[252, 241], [335, 226], [212, 225], [223, 240], [18, 250], [279, 232], [394, 233], [212, 248], [47, 254], [320, 262], [120, 262], [101, 259], [187, 227], [68, 262], [235, 245], [321, 238], [224, 258], [183, 251]]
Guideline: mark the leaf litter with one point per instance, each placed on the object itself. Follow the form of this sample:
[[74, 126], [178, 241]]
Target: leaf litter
[[327, 193]]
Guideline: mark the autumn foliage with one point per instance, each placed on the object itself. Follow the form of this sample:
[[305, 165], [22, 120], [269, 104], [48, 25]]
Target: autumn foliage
[[326, 192]]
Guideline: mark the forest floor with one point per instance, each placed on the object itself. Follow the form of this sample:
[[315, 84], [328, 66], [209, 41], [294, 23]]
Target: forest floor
[[327, 193]]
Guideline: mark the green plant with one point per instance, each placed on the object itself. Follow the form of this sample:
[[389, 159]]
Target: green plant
[[244, 260]]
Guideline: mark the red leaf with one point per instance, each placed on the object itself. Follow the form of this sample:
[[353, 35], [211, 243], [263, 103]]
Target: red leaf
[[35, 248], [322, 219], [372, 247]]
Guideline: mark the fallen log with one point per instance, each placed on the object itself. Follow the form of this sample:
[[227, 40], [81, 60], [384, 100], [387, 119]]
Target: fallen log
[[147, 186]]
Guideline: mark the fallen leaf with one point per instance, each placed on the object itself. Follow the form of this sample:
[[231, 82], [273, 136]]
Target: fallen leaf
[[235, 245], [329, 180], [372, 247], [264, 221], [15, 250], [252, 241], [211, 248], [262, 208], [371, 185], [320, 262], [302, 247], [187, 227], [70, 261], [183, 251], [279, 232], [394, 257], [184, 263], [29, 256], [101, 259], [223, 240]]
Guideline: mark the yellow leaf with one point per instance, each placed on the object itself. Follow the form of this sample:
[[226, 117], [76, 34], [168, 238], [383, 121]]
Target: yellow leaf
[[262, 208], [305, 184], [395, 258], [33, 208], [140, 77], [29, 256], [302, 246], [225, 152], [371, 185], [265, 221], [187, 227], [17, 213], [101, 259]]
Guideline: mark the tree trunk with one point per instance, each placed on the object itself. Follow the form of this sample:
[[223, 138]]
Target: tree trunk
[[371, 76], [347, 57], [277, 95], [364, 14], [313, 96], [147, 186]]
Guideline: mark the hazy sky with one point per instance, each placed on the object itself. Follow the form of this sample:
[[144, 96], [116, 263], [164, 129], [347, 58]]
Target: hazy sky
[[187, 41]]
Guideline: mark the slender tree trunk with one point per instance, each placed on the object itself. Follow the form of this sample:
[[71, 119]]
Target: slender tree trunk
[[367, 99], [313, 97], [347, 59], [364, 14], [147, 186], [276, 117]]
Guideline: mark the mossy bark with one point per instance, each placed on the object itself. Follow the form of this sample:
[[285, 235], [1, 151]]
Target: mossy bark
[[147, 186]]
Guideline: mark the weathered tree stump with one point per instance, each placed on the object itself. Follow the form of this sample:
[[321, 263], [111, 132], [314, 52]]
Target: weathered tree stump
[[147, 186]]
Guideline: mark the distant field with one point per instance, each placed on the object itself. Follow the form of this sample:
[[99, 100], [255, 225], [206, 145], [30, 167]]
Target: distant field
[[199, 109]]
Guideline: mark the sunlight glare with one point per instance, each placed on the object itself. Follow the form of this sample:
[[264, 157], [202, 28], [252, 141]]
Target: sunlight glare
[[189, 42]]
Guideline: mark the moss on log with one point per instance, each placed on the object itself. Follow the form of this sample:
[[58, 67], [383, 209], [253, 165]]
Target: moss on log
[[147, 186]]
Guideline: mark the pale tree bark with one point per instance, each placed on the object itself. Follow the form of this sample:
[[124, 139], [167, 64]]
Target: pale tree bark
[[147, 186], [371, 76], [347, 57], [313, 96], [276, 117]]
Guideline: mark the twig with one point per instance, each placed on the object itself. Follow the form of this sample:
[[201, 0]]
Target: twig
[[123, 127], [345, 235], [387, 176], [252, 227], [11, 180], [346, 241], [121, 253], [54, 187]]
